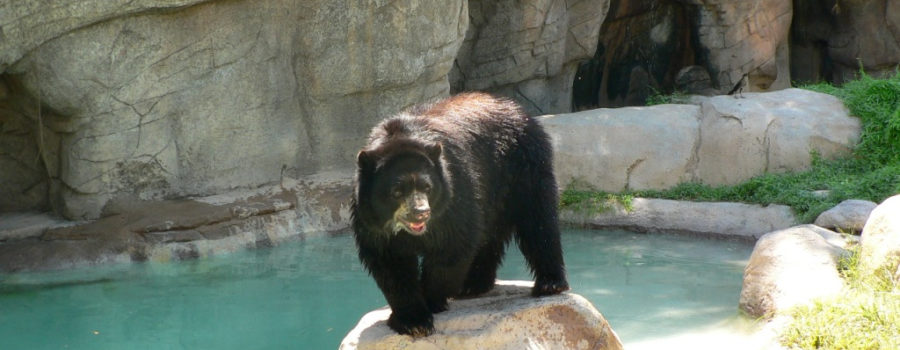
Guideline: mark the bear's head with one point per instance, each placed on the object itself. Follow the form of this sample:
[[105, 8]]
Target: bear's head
[[400, 186]]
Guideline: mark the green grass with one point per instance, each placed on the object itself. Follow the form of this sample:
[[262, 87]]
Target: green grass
[[871, 173], [660, 98], [581, 197], [865, 316]]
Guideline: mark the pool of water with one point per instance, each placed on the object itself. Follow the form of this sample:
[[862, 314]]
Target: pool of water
[[309, 294]]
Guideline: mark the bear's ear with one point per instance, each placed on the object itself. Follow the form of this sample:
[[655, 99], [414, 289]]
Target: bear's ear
[[434, 152], [365, 160]]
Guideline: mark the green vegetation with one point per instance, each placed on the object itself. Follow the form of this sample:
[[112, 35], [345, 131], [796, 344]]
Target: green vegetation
[[660, 98], [581, 197], [871, 173], [865, 316]]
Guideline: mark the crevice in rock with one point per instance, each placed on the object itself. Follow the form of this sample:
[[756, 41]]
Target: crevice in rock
[[630, 171], [693, 163]]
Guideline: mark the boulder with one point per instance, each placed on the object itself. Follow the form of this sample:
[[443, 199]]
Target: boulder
[[721, 140], [849, 215], [626, 148], [505, 318], [528, 51], [704, 218], [694, 80], [791, 267], [770, 132], [163, 99], [880, 240]]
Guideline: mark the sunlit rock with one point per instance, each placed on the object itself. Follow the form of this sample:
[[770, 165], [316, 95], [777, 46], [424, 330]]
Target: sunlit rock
[[791, 267], [721, 140], [849, 216], [880, 241], [505, 318]]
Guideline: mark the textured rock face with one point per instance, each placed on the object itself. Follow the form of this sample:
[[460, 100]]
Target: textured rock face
[[745, 37], [791, 267], [725, 140], [644, 44], [832, 39], [28, 24], [505, 318], [849, 215], [205, 98], [880, 240], [528, 50]]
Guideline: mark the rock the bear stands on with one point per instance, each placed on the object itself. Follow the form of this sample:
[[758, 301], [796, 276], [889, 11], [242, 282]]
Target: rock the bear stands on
[[451, 182]]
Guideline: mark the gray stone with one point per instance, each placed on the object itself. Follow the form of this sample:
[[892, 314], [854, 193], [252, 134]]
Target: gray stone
[[204, 99], [791, 267], [694, 80], [704, 218], [849, 215], [505, 318], [880, 240], [724, 141], [770, 132], [626, 148]]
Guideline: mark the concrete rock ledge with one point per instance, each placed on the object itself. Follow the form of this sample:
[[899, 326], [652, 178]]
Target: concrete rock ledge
[[133, 230], [505, 318], [720, 219]]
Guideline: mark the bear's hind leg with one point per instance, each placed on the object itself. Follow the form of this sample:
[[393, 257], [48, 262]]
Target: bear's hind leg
[[537, 233]]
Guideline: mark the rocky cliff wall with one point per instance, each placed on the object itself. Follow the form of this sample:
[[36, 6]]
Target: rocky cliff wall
[[161, 99]]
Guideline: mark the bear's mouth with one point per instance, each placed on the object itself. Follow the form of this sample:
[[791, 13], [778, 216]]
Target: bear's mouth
[[415, 228]]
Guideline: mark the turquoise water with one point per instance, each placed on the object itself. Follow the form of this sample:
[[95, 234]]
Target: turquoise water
[[308, 294]]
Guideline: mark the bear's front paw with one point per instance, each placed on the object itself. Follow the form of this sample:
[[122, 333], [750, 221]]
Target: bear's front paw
[[415, 325], [437, 305], [542, 288]]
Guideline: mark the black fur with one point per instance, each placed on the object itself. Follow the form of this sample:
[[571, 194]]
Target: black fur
[[486, 168]]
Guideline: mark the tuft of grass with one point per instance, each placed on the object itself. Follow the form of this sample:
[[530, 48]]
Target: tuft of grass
[[660, 98], [583, 198], [865, 316]]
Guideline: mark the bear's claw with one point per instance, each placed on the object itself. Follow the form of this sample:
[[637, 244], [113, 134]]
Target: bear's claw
[[415, 326], [549, 288]]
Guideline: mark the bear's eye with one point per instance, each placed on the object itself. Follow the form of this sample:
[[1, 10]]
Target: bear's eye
[[426, 188], [396, 194]]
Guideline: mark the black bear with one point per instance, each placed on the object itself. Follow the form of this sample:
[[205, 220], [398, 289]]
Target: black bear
[[449, 183]]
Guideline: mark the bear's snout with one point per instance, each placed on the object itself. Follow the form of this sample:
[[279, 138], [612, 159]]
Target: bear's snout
[[419, 208]]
